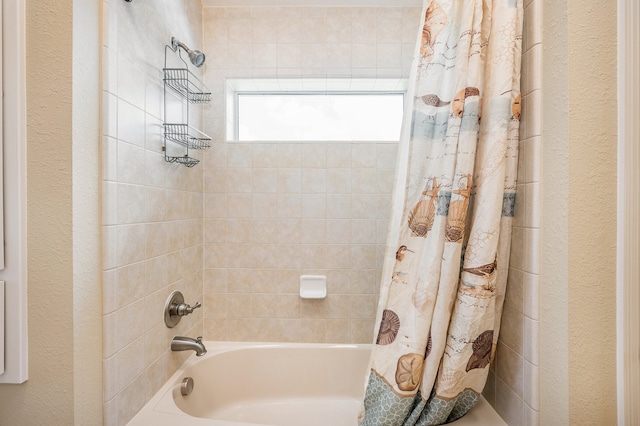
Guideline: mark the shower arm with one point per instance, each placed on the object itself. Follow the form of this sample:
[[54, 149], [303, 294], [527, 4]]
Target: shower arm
[[175, 43]]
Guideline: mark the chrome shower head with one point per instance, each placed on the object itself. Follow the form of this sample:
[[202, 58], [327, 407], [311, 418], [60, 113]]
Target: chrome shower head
[[197, 57]]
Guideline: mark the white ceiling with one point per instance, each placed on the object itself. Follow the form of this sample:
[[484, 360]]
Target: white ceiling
[[317, 3]]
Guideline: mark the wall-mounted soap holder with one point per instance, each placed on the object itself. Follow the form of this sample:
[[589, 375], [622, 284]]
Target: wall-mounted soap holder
[[313, 286], [175, 309]]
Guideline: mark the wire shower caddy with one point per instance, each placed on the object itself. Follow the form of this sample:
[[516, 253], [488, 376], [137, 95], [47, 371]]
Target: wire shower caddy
[[190, 90]]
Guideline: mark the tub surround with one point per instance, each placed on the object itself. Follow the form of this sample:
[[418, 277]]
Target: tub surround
[[238, 230], [152, 210]]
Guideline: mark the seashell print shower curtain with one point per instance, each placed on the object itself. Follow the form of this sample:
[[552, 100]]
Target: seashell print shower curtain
[[447, 253]]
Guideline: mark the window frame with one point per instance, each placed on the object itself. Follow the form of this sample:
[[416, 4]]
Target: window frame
[[293, 86]]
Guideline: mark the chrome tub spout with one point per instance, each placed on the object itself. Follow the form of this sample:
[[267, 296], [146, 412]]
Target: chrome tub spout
[[181, 343]]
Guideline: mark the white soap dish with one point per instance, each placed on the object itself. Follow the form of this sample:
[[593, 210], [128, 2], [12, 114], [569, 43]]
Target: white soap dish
[[313, 286]]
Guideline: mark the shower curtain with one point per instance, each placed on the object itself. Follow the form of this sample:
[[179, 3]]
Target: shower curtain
[[447, 254]]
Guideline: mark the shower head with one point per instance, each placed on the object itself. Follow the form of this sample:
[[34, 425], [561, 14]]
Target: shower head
[[197, 57]]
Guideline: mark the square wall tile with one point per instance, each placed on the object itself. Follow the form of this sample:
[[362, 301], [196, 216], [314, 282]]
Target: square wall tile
[[508, 405], [531, 349], [531, 296], [510, 369], [532, 386]]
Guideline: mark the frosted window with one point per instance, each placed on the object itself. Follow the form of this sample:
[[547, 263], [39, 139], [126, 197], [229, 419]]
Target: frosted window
[[320, 116]]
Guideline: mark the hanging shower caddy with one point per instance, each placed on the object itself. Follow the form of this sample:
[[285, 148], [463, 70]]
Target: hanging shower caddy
[[189, 90]]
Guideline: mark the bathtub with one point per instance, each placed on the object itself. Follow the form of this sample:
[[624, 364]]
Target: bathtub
[[250, 384]]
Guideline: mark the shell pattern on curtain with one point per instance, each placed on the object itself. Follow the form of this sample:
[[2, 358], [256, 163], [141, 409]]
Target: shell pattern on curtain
[[446, 263]]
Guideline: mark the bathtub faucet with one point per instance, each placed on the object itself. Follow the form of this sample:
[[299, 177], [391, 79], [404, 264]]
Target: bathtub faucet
[[181, 343]]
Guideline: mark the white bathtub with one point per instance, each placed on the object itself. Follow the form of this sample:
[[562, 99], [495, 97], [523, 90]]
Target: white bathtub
[[242, 384]]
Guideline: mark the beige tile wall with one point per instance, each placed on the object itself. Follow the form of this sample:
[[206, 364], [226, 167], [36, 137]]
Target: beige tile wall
[[274, 211], [513, 386], [242, 226], [152, 211]]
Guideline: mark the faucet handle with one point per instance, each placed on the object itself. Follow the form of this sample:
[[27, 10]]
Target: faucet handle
[[175, 309], [183, 309]]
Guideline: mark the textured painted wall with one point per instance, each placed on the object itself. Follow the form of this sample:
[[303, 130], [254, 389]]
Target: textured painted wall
[[87, 286], [592, 110], [554, 274], [554, 324], [47, 397], [578, 328], [64, 385]]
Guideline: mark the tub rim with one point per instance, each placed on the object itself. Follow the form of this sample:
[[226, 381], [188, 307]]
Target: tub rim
[[161, 409]]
